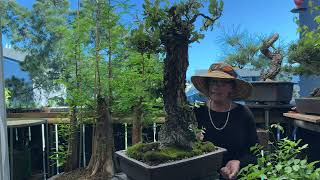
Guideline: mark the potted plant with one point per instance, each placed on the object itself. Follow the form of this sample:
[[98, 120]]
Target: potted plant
[[304, 58], [174, 29], [247, 51], [267, 89], [280, 162]]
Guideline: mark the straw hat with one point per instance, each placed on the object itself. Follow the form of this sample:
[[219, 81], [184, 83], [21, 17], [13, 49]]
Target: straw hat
[[222, 71]]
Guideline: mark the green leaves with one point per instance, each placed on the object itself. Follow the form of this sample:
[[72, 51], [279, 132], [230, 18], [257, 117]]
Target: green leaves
[[281, 163], [7, 95], [303, 55], [138, 83], [179, 18], [242, 49]]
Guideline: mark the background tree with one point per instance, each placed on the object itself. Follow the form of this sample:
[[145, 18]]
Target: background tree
[[21, 93], [175, 28], [39, 33], [7, 96]]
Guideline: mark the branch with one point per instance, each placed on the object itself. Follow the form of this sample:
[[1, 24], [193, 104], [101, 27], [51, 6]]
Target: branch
[[194, 18]]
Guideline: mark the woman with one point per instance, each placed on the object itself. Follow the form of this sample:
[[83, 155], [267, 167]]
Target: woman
[[228, 124]]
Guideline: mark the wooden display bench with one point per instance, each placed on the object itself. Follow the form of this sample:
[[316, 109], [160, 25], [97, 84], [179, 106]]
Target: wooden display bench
[[306, 121], [307, 128]]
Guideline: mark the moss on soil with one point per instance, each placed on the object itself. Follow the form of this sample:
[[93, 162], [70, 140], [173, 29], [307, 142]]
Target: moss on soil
[[151, 154]]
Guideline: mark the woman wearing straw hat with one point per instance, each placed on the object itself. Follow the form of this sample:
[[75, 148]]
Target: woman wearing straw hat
[[228, 124]]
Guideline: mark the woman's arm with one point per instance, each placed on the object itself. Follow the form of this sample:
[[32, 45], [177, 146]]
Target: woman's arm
[[248, 157]]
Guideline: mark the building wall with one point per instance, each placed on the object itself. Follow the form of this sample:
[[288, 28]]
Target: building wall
[[13, 68]]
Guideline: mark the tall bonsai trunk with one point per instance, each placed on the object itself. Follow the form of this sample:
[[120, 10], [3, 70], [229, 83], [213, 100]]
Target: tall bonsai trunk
[[101, 162], [72, 161], [136, 125], [178, 115]]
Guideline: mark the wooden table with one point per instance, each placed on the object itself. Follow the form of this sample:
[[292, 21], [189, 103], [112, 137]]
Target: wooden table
[[306, 121]]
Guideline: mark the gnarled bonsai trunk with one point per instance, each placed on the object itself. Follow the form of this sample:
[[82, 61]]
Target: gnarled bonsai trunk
[[178, 114], [101, 162], [275, 57]]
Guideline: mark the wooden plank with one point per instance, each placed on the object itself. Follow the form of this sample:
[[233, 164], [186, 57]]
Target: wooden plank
[[61, 117], [16, 123], [37, 115], [303, 117]]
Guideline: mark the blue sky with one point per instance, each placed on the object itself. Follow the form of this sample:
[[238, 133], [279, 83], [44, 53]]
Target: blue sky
[[256, 16]]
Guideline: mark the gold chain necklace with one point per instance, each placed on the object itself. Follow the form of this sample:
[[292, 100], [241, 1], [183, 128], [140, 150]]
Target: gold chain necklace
[[225, 124]]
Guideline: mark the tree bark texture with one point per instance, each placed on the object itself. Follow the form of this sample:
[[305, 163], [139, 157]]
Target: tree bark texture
[[101, 162], [136, 125], [178, 114], [275, 57], [72, 161]]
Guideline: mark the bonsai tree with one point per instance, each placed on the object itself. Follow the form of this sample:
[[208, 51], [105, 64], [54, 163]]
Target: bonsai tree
[[245, 50], [175, 28], [304, 57]]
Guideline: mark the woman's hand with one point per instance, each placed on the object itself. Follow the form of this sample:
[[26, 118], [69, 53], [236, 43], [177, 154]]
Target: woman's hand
[[230, 171]]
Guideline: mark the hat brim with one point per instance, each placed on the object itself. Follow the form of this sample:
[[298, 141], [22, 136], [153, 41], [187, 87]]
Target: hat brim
[[242, 89]]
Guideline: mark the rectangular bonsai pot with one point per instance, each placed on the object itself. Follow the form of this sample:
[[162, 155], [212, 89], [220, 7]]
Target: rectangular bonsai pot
[[187, 169], [271, 91], [308, 105]]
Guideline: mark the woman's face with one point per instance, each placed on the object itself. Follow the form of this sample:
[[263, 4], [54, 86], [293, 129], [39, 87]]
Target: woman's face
[[220, 90]]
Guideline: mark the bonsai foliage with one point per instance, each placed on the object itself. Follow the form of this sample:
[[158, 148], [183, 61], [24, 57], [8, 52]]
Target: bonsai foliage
[[253, 52], [174, 25], [242, 49], [304, 55]]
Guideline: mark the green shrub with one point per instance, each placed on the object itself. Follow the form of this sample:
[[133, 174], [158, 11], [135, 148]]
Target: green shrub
[[281, 163]]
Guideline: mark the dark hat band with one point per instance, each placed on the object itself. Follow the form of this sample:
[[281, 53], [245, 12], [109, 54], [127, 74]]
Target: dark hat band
[[224, 68]]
